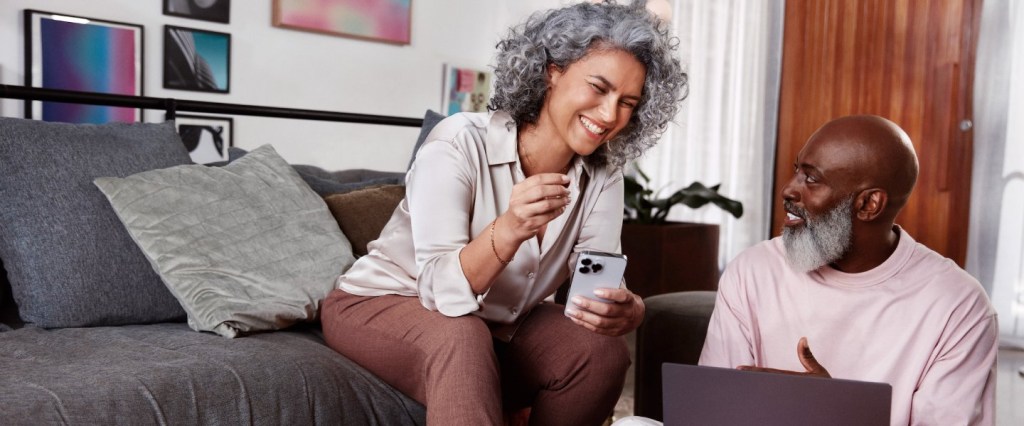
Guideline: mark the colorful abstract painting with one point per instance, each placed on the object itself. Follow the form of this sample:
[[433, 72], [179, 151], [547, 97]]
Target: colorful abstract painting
[[379, 20], [89, 55], [465, 90]]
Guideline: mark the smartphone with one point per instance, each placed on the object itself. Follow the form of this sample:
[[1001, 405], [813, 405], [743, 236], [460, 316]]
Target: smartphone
[[594, 270]]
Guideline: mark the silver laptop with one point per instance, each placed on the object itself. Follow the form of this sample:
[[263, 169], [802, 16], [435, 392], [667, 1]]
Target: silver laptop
[[694, 395]]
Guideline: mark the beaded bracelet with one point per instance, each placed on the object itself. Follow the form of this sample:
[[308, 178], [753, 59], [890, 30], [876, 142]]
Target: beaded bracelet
[[495, 249]]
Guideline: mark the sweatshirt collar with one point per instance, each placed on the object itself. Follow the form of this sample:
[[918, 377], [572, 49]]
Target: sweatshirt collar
[[877, 275]]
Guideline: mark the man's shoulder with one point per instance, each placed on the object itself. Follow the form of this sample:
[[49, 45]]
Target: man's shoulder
[[928, 264], [943, 278], [763, 263], [765, 253]]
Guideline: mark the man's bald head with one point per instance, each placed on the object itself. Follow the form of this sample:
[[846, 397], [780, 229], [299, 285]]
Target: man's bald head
[[872, 152]]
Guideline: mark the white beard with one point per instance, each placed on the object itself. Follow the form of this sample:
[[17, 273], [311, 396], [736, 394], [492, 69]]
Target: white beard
[[820, 241]]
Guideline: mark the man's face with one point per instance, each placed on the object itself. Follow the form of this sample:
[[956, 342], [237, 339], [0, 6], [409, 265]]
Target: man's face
[[819, 205], [820, 240]]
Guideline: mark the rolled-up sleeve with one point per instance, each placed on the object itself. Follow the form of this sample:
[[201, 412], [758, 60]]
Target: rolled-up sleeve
[[440, 197]]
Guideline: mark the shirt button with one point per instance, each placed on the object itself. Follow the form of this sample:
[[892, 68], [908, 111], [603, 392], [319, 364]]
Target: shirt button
[[514, 311], [531, 275]]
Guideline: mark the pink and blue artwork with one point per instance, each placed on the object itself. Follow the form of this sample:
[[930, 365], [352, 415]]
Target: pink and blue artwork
[[85, 55], [379, 20]]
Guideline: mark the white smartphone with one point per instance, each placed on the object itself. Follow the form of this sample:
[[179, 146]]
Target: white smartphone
[[594, 270]]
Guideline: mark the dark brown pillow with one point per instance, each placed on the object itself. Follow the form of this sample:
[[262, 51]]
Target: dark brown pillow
[[362, 213]]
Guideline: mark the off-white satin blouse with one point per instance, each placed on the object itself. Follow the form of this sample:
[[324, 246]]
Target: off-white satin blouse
[[462, 180]]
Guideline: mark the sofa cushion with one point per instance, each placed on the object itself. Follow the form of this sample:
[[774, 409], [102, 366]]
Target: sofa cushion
[[245, 247], [362, 214], [430, 119], [68, 258], [326, 183], [168, 374]]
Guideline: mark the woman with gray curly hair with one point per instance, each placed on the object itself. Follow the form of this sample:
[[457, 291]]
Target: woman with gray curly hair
[[453, 304]]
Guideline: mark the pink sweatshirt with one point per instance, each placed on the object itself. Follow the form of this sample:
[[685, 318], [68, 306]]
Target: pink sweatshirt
[[917, 322]]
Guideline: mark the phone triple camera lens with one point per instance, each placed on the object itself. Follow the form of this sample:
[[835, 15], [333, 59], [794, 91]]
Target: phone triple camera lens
[[589, 265]]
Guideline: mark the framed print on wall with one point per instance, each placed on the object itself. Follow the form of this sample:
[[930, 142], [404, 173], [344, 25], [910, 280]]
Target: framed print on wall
[[465, 90], [197, 60], [207, 138], [206, 10], [83, 54], [388, 21]]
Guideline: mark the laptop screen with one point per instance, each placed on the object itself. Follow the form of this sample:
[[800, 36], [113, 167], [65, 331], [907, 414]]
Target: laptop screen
[[696, 395]]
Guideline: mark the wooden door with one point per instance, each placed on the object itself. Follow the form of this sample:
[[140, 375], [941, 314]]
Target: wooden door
[[910, 61]]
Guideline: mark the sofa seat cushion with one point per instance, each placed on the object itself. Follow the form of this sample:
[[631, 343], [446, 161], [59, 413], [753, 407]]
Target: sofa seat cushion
[[169, 374]]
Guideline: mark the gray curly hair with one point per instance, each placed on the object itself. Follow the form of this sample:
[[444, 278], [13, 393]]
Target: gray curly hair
[[564, 36]]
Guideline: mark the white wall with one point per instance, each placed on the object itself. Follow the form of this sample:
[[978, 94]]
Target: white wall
[[288, 68]]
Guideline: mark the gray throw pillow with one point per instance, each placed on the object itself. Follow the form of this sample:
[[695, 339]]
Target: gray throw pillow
[[245, 247], [69, 260], [430, 119]]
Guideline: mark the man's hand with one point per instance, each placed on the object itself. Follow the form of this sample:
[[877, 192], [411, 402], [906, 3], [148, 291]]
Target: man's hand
[[621, 316], [803, 351]]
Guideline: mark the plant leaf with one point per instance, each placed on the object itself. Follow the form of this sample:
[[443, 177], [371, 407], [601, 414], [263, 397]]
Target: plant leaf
[[641, 206]]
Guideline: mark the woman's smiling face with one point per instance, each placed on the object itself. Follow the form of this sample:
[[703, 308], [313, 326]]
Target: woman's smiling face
[[590, 101]]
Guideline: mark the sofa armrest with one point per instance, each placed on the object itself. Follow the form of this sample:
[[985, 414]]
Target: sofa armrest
[[673, 330]]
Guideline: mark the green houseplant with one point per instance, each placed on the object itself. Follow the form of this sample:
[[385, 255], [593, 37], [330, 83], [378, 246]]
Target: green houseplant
[[644, 206], [666, 256]]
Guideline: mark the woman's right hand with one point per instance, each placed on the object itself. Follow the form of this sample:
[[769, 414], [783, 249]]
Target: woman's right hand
[[535, 201]]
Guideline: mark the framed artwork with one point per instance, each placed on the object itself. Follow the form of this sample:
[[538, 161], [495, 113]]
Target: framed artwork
[[465, 90], [207, 138], [197, 60], [388, 21], [206, 10], [83, 54]]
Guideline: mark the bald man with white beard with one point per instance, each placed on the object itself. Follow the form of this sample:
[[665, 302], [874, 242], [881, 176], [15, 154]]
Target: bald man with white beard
[[845, 279]]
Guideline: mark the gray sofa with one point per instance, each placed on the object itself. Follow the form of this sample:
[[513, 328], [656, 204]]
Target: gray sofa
[[88, 333], [674, 328]]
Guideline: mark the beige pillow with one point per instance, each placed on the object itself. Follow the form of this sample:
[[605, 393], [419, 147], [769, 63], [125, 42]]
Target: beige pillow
[[245, 247], [362, 213]]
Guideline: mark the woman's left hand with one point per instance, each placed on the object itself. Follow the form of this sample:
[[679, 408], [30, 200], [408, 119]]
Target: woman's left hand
[[619, 317]]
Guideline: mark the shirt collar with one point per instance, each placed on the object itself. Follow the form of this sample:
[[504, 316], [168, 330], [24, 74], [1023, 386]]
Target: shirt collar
[[501, 139]]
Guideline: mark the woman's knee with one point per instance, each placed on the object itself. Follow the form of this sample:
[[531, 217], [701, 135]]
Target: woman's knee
[[608, 354]]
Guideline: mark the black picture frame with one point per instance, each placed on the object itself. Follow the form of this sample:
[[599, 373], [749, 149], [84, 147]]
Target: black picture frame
[[207, 137], [53, 42], [204, 10], [197, 60]]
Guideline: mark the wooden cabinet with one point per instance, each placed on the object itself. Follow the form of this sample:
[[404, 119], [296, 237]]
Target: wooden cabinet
[[670, 257]]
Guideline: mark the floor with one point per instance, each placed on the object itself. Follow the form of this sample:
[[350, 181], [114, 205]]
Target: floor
[[1009, 387]]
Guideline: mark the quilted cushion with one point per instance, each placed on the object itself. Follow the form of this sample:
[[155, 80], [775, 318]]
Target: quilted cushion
[[244, 247], [69, 260]]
